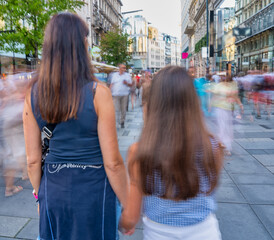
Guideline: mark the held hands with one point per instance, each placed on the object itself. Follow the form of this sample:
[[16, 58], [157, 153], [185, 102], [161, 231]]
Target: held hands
[[126, 232], [125, 82]]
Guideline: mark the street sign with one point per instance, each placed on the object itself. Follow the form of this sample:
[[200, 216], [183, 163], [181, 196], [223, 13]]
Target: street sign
[[204, 52], [95, 52], [184, 55], [242, 31]]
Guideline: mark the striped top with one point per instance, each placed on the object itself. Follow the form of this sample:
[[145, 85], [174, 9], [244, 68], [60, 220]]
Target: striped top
[[181, 213]]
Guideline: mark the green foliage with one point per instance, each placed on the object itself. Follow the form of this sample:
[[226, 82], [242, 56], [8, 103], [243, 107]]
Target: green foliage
[[200, 44], [114, 47], [28, 19]]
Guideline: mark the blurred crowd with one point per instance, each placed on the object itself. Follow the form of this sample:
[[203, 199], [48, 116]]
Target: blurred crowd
[[223, 97], [12, 148]]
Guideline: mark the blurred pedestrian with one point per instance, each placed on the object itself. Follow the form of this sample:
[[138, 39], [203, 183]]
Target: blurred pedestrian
[[175, 167], [133, 90], [225, 95], [13, 153], [83, 170], [120, 86]]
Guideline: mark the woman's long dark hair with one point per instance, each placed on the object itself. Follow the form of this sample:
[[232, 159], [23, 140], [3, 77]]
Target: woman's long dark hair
[[173, 136], [65, 67]]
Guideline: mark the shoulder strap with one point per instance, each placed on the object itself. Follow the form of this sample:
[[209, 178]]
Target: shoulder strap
[[94, 89], [48, 129]]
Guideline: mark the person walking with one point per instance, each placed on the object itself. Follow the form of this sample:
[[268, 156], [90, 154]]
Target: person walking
[[83, 170], [175, 167], [225, 95], [133, 91], [120, 87]]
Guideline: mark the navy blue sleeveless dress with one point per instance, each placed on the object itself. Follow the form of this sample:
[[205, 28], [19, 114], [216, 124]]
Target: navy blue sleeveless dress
[[75, 197]]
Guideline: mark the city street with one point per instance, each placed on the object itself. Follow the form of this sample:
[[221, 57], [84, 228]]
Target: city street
[[245, 195]]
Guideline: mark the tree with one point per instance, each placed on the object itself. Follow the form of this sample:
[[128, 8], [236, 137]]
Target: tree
[[114, 47], [26, 21]]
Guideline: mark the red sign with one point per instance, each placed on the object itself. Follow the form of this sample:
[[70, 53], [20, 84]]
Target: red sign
[[184, 55]]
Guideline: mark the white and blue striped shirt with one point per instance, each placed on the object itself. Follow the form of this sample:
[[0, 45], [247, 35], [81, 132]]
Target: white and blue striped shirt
[[184, 212]]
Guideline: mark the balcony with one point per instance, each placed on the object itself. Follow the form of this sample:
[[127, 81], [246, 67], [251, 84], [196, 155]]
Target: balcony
[[189, 29], [260, 22]]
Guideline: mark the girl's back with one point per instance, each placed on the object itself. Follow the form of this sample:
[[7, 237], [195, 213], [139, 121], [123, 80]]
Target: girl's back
[[175, 166]]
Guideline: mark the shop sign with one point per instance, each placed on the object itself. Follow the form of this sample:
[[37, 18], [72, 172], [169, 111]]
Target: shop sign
[[245, 63], [265, 60]]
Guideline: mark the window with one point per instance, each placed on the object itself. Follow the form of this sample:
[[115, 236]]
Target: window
[[267, 40]]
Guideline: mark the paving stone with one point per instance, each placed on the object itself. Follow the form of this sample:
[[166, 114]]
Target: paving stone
[[256, 143], [24, 183], [255, 135], [256, 151], [2, 182], [30, 231], [124, 155], [269, 151], [226, 180], [3, 238], [238, 222], [267, 159], [138, 235], [244, 164], [238, 150], [229, 194], [258, 194], [271, 169], [20, 205], [10, 226], [265, 214], [257, 179]]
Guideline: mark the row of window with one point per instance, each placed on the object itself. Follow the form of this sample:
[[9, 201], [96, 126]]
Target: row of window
[[247, 13], [256, 44]]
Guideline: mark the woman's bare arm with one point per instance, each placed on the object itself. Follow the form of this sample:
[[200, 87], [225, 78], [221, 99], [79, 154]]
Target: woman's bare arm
[[113, 162], [33, 144]]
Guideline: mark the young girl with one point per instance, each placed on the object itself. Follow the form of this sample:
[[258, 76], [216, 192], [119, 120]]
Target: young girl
[[175, 166]]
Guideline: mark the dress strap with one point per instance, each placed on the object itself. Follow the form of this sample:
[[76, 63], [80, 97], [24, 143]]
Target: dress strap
[[94, 89]]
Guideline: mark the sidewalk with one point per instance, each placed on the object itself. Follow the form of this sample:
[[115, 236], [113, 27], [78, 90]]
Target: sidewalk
[[245, 195]]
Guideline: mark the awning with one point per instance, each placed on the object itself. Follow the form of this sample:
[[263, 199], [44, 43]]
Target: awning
[[102, 67]]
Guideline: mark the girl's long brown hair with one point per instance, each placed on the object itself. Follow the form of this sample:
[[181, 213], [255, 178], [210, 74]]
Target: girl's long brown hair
[[65, 68], [173, 137]]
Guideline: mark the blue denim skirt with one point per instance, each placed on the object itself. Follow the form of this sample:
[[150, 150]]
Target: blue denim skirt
[[76, 202]]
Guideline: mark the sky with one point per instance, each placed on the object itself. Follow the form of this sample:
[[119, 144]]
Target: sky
[[162, 14], [228, 3]]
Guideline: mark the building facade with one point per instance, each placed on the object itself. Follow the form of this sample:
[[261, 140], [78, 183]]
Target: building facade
[[156, 50], [224, 40], [137, 28], [86, 14], [196, 30], [106, 14], [184, 37], [255, 51]]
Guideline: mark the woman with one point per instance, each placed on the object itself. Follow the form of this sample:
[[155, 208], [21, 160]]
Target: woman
[[83, 171], [175, 167]]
